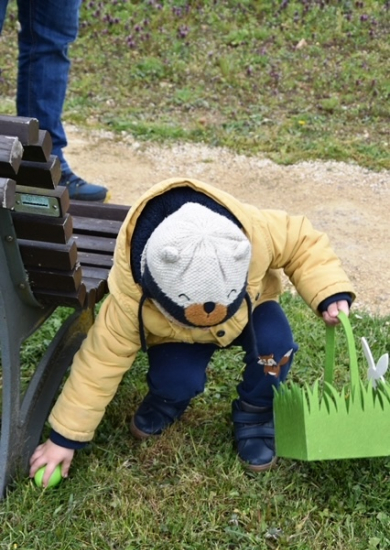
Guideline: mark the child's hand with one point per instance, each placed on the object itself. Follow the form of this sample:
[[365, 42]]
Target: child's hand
[[49, 454], [330, 315]]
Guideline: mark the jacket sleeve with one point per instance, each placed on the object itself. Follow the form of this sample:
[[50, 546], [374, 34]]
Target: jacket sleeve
[[306, 257], [98, 367]]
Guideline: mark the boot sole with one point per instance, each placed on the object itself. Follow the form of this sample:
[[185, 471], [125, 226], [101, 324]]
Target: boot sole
[[261, 467], [139, 434], [107, 198]]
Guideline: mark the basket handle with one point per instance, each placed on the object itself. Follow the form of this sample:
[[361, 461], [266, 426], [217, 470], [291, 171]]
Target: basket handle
[[330, 351]]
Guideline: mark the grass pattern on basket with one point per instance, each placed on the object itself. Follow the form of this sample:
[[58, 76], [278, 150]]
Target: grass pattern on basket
[[354, 422]]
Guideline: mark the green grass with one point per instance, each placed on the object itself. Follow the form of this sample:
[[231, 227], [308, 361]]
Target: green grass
[[224, 73], [295, 80], [188, 490]]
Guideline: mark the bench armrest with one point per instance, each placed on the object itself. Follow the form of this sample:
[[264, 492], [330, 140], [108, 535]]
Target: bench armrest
[[7, 193]]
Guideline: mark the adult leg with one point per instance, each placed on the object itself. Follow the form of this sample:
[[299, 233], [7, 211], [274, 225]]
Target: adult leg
[[3, 9], [177, 373], [48, 27], [252, 411]]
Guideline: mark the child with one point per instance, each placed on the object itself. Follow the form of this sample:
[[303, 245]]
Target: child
[[196, 270]]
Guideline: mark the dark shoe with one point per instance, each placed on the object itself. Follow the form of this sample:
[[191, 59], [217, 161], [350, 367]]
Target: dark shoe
[[80, 190], [255, 435], [154, 415]]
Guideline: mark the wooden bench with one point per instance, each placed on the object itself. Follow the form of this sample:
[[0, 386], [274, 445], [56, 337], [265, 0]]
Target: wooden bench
[[53, 252]]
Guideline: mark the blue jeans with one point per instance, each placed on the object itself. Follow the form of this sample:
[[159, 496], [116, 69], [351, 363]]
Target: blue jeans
[[177, 371], [47, 29]]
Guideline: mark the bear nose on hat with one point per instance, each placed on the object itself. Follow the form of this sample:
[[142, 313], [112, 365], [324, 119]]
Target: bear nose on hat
[[205, 314], [209, 307]]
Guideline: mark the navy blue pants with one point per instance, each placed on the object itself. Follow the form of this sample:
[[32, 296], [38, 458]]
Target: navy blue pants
[[177, 371]]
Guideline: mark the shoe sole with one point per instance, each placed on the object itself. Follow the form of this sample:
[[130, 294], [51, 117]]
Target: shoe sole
[[107, 198], [261, 467], [139, 434]]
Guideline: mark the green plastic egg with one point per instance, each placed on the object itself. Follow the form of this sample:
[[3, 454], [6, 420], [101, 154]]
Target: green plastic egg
[[54, 479]]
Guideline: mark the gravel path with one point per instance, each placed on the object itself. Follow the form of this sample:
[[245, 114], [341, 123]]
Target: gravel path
[[348, 202]]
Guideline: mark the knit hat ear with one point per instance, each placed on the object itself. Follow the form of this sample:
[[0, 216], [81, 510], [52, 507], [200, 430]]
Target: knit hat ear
[[241, 250], [170, 254], [195, 266]]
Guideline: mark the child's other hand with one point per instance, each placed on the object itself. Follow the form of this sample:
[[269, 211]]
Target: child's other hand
[[50, 455], [330, 315]]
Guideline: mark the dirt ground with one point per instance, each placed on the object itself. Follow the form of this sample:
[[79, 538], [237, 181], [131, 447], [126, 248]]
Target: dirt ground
[[349, 203]]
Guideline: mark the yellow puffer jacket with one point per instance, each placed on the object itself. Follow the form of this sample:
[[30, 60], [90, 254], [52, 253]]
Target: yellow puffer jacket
[[279, 241]]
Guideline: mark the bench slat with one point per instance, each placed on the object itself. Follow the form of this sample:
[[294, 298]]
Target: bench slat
[[101, 211], [95, 260], [68, 299], [7, 193], [24, 128], [95, 273], [52, 279], [94, 226], [96, 278], [39, 151], [89, 242], [48, 255], [11, 152], [35, 228], [44, 175], [97, 286]]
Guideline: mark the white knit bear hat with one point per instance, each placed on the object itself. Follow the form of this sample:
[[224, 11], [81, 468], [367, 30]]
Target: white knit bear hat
[[195, 266]]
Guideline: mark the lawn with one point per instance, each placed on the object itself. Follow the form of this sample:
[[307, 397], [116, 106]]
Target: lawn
[[295, 80], [188, 490]]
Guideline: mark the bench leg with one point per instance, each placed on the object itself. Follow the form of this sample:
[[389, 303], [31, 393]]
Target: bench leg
[[23, 418], [47, 379]]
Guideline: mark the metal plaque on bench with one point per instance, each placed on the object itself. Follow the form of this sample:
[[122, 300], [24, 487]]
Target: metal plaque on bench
[[47, 202]]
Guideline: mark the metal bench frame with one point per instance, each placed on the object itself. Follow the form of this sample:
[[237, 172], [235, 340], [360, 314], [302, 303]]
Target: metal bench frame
[[23, 416]]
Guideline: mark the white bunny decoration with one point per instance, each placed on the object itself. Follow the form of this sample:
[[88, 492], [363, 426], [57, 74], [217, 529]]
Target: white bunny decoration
[[375, 372]]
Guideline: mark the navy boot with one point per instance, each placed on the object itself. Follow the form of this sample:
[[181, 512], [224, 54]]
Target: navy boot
[[80, 190], [154, 415], [255, 435]]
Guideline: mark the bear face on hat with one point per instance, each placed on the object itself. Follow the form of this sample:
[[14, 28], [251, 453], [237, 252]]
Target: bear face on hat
[[195, 266]]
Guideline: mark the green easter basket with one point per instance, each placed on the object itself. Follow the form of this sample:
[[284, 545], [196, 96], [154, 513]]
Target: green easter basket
[[325, 424]]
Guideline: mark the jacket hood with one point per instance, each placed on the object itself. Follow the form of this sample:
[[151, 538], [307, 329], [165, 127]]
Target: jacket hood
[[124, 283]]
